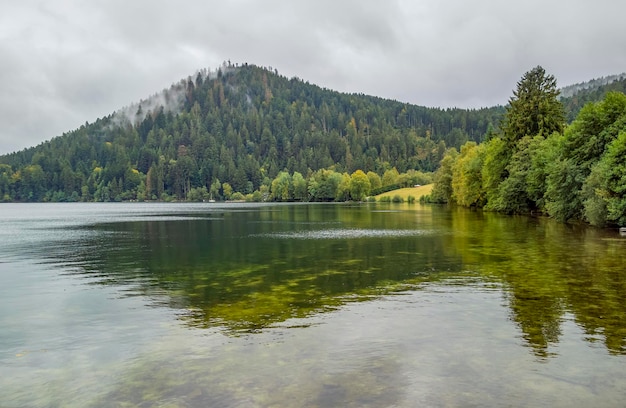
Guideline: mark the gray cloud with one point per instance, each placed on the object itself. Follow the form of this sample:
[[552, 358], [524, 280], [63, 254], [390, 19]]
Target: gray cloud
[[70, 61]]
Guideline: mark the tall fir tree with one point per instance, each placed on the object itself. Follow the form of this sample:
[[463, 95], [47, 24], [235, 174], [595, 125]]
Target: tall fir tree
[[534, 108]]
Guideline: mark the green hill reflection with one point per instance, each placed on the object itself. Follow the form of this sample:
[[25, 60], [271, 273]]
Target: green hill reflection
[[243, 270]]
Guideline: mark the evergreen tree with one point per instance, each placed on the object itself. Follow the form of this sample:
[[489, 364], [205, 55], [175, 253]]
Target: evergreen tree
[[534, 108]]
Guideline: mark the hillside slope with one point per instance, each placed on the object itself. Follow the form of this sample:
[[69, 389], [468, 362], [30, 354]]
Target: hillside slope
[[241, 125], [577, 96]]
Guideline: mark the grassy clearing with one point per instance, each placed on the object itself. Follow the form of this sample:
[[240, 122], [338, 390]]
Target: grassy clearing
[[416, 192]]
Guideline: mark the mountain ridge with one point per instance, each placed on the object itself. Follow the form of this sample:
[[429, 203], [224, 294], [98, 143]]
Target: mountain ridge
[[241, 125], [592, 84]]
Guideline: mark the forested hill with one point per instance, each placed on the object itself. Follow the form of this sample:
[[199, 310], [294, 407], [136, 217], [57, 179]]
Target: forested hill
[[591, 85], [574, 97], [239, 129], [240, 125]]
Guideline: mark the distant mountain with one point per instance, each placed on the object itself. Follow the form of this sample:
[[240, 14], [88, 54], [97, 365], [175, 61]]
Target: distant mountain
[[574, 97], [571, 90]]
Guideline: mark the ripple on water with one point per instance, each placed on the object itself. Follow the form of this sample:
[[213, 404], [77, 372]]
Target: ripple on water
[[345, 233]]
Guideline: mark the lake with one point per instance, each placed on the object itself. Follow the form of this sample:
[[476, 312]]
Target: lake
[[307, 305]]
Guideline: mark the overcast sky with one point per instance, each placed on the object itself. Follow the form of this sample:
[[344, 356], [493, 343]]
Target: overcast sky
[[65, 62]]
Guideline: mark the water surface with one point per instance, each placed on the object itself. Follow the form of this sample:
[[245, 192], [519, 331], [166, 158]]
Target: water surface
[[260, 305]]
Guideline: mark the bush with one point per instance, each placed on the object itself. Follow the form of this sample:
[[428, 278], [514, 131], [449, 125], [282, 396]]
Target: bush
[[410, 199], [237, 196], [386, 188], [397, 199]]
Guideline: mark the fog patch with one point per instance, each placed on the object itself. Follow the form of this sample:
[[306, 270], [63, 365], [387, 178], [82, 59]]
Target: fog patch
[[169, 100]]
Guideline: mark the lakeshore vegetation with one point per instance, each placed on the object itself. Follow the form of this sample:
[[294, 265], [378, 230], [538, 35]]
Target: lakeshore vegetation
[[538, 164], [233, 134], [245, 132]]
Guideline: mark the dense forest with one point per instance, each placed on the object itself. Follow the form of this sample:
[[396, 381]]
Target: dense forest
[[538, 164], [228, 134], [575, 97], [246, 132]]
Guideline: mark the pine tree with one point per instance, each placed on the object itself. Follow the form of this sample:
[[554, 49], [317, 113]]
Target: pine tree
[[534, 108]]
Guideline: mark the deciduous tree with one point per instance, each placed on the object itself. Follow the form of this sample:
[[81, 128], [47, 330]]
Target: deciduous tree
[[607, 201], [442, 190], [360, 185], [467, 187]]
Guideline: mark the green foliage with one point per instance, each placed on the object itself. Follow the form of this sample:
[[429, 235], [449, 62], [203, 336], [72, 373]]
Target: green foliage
[[443, 191], [324, 185], [29, 183], [390, 177], [360, 185], [227, 190], [255, 197], [384, 189], [589, 93], [606, 186], [238, 132], [521, 190], [198, 194], [282, 187], [584, 144], [494, 169], [241, 127], [327, 185], [544, 152], [466, 182], [6, 182], [597, 125], [534, 108], [415, 177], [237, 196], [533, 111], [299, 187], [343, 189], [595, 197], [563, 185], [574, 174], [375, 180]]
